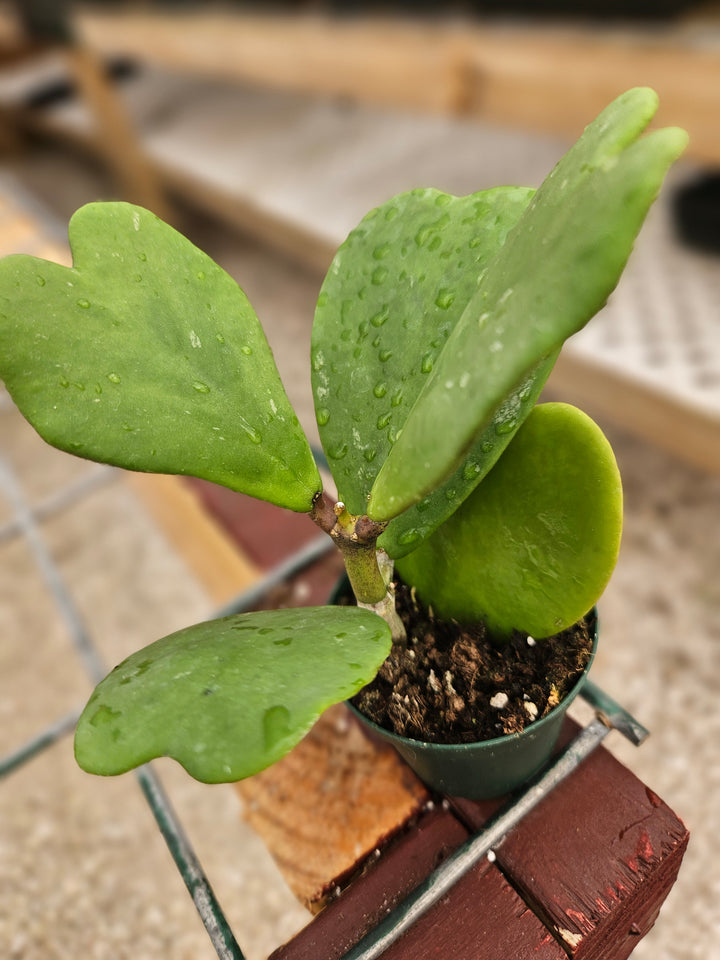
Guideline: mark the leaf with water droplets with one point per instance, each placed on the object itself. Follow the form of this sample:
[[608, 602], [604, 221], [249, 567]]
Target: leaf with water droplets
[[188, 371], [533, 547], [553, 273], [389, 302], [229, 697]]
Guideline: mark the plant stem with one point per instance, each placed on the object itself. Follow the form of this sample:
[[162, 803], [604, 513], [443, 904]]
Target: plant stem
[[386, 608], [360, 556], [369, 570]]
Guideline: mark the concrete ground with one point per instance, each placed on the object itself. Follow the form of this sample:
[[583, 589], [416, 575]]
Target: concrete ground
[[83, 870]]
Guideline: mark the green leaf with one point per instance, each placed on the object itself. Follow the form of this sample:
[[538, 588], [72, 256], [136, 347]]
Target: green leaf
[[396, 289], [553, 273], [147, 355], [407, 531], [229, 697], [534, 545]]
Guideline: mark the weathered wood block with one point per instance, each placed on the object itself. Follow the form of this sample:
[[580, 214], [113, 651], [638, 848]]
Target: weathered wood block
[[330, 804]]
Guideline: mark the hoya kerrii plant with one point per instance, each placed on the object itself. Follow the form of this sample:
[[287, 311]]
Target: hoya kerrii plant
[[436, 328]]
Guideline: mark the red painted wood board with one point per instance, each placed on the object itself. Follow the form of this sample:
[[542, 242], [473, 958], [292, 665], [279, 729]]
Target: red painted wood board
[[596, 858], [387, 880], [481, 918]]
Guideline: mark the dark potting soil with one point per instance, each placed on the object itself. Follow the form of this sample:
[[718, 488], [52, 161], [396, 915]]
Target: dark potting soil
[[450, 684]]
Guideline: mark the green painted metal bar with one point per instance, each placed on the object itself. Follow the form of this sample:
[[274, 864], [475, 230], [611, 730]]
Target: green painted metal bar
[[38, 744]]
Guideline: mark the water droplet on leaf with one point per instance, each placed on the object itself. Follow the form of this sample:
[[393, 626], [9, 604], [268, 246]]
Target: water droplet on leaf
[[276, 726], [103, 715], [409, 536], [322, 416], [445, 299], [381, 317], [83, 303], [338, 453]]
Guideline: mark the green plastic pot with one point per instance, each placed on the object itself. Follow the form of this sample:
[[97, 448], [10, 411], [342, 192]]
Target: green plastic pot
[[488, 768]]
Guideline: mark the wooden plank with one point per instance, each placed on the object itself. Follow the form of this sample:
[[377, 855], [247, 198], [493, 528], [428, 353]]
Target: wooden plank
[[329, 804], [114, 134], [684, 432], [551, 79], [266, 533], [213, 556], [387, 62], [481, 918], [301, 242], [596, 859], [403, 864]]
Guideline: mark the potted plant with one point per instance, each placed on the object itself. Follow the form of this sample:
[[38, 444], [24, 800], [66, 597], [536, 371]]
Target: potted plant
[[436, 328]]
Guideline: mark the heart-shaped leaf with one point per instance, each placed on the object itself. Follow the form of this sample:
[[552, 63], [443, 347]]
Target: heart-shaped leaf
[[146, 354], [229, 697], [392, 296], [554, 271], [534, 546]]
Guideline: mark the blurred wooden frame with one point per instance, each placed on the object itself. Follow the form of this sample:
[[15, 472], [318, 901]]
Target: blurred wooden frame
[[39, 27], [547, 79]]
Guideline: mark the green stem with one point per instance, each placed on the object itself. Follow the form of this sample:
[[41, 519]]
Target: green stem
[[369, 570], [360, 556]]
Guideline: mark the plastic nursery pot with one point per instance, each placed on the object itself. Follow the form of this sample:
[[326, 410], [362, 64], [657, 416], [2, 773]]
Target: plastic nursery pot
[[488, 768]]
